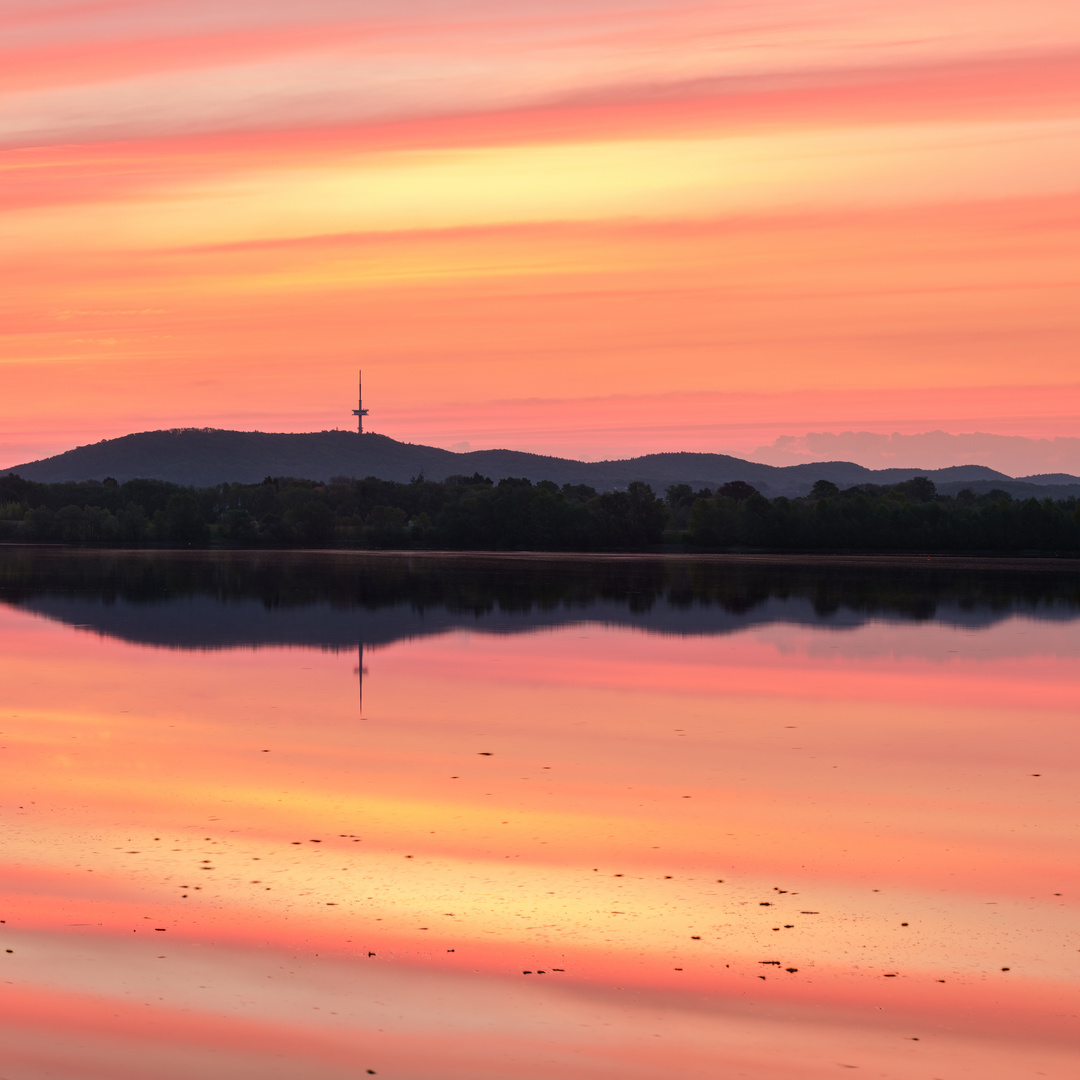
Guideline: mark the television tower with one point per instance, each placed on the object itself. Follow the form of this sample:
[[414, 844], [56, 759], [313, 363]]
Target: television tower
[[360, 412]]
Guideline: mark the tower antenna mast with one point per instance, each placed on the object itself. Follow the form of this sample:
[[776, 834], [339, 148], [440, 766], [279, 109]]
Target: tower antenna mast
[[360, 412]]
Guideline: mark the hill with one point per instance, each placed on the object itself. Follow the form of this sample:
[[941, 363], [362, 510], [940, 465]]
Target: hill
[[206, 456]]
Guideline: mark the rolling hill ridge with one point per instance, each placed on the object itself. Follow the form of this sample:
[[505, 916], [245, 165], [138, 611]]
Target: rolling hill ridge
[[203, 457]]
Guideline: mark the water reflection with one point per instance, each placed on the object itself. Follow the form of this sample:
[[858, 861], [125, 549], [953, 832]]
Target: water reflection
[[680, 827], [333, 601]]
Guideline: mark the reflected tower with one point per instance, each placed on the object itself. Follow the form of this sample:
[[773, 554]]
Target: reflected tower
[[361, 671]]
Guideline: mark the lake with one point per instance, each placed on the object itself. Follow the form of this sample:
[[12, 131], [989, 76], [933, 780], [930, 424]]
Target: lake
[[329, 815]]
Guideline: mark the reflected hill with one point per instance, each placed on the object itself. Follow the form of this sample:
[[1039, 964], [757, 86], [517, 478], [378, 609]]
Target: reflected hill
[[341, 601]]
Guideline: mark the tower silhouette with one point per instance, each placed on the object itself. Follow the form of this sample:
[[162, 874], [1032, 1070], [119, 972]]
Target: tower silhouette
[[360, 412]]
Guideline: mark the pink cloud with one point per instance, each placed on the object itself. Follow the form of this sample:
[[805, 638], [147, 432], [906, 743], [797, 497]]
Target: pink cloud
[[1014, 455]]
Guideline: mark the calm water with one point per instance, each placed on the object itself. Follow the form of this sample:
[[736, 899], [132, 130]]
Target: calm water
[[321, 816]]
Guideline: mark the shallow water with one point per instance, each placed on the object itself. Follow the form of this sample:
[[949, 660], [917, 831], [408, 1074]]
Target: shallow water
[[320, 815]]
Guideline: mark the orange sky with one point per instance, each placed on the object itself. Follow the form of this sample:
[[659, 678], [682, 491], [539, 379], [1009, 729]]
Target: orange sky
[[595, 228]]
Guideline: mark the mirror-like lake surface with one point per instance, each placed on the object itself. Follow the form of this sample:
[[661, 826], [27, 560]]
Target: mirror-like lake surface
[[330, 815]]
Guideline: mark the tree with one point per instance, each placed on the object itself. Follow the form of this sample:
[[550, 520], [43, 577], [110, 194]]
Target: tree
[[680, 495], [238, 528], [824, 489], [40, 524], [312, 523], [99, 526], [476, 478], [739, 490], [631, 518], [919, 489], [184, 523], [705, 523], [578, 493], [133, 523], [648, 514], [386, 527], [71, 521]]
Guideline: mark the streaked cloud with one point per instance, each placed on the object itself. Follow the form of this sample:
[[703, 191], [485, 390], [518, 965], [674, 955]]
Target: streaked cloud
[[690, 200]]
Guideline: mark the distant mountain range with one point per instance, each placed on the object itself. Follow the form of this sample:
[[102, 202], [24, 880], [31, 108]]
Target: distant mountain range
[[1016, 455], [206, 456]]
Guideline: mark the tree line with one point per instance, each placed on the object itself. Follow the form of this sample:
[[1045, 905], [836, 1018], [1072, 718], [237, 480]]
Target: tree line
[[476, 513]]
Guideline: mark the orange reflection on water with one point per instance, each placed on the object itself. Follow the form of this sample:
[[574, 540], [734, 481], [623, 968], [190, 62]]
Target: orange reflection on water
[[213, 863]]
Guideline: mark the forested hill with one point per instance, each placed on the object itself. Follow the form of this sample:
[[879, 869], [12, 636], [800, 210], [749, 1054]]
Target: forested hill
[[203, 457]]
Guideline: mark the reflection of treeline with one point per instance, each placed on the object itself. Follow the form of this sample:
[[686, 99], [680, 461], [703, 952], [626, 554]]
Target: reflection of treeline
[[482, 585], [473, 513], [341, 580]]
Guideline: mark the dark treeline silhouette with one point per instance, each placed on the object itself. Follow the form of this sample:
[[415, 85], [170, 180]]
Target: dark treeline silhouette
[[461, 513], [974, 592], [909, 516], [475, 513]]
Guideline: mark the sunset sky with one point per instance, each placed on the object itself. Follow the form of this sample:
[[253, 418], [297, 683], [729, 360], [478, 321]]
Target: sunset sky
[[594, 228]]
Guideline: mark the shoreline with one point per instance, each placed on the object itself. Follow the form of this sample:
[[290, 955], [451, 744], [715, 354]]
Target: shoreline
[[878, 560]]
